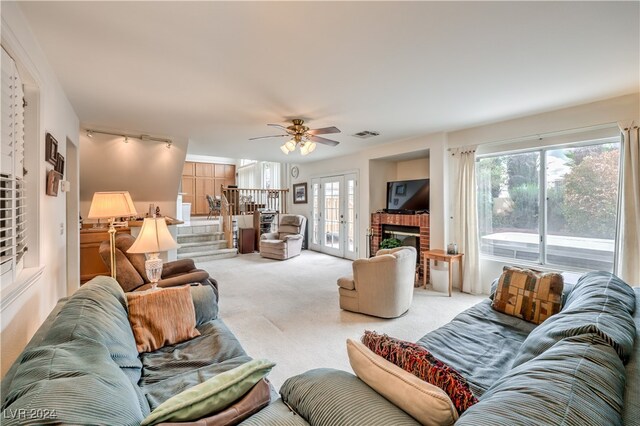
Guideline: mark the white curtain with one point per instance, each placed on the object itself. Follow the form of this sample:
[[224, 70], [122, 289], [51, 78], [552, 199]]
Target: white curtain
[[465, 218], [629, 269], [249, 176]]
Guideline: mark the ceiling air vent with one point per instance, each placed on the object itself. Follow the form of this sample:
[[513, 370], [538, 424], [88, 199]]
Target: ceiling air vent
[[365, 134]]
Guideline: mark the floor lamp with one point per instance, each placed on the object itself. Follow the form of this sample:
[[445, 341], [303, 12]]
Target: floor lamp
[[154, 237], [109, 205]]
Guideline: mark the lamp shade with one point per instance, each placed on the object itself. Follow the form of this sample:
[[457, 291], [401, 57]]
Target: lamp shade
[[111, 204], [154, 237]]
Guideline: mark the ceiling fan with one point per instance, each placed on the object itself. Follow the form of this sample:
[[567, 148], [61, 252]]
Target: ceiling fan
[[302, 136]]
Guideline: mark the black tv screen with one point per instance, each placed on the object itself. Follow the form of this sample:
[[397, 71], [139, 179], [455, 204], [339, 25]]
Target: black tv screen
[[408, 195]]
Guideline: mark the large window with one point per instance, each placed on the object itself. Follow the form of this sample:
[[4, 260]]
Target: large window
[[553, 206]]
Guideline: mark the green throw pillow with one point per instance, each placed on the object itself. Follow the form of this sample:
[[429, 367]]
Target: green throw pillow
[[211, 396]]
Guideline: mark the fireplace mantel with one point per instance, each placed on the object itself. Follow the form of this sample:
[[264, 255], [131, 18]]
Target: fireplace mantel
[[414, 220]]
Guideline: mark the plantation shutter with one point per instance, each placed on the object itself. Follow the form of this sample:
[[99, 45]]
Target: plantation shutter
[[12, 186]]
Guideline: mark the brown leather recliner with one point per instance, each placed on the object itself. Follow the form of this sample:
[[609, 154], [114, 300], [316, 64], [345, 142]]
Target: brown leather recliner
[[131, 275]]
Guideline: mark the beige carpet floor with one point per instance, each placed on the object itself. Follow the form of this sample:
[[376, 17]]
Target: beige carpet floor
[[288, 312]]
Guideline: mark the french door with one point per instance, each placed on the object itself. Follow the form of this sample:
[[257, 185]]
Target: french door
[[334, 217]]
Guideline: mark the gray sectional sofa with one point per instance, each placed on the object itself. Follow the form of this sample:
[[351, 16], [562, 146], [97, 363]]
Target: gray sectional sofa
[[580, 367], [82, 366]]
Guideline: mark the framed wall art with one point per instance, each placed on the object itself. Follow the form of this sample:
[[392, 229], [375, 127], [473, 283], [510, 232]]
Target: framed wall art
[[60, 165], [300, 193], [51, 152], [53, 183]]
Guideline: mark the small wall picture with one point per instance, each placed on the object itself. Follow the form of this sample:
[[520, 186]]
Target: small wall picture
[[51, 152], [53, 182], [60, 165], [300, 193]]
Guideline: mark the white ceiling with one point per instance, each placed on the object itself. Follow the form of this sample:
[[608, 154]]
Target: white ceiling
[[218, 72]]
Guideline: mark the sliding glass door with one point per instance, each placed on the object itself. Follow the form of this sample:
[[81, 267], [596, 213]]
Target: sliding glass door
[[334, 217]]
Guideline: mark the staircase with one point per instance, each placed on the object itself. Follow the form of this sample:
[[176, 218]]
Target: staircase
[[203, 242]]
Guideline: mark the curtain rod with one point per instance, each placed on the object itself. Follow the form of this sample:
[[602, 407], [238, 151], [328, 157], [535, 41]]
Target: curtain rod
[[169, 142], [543, 135]]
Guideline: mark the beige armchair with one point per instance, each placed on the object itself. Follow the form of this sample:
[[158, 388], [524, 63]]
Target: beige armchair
[[381, 286], [287, 242]]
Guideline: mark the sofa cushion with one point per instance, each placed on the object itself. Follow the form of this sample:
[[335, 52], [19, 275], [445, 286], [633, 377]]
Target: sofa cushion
[[211, 396], [579, 381], [205, 303], [530, 295], [419, 362], [162, 317], [291, 220], [74, 382], [600, 303], [172, 369], [425, 402], [631, 411], [274, 414], [335, 398], [479, 343]]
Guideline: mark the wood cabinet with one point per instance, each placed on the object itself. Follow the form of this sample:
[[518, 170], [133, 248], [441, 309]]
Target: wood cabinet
[[202, 179], [91, 263]]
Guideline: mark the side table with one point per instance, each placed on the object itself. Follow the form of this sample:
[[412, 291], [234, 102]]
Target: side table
[[441, 255]]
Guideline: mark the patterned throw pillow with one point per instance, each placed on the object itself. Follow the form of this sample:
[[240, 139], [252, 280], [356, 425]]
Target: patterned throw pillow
[[417, 360], [531, 295]]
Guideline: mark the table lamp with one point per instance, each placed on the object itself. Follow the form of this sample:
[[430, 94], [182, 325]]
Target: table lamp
[[154, 237], [109, 205]]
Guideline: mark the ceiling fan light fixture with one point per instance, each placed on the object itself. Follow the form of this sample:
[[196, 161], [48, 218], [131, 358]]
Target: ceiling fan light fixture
[[312, 146], [304, 149], [291, 145], [284, 149]]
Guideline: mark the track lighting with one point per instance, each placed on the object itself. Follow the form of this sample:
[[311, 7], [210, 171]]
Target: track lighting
[[126, 137]]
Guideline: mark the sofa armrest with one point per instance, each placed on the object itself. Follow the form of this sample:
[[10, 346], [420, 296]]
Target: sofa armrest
[[347, 283], [195, 276], [269, 236], [292, 237], [179, 266]]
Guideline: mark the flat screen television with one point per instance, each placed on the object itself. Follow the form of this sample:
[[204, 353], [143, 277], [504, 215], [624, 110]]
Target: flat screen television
[[408, 195]]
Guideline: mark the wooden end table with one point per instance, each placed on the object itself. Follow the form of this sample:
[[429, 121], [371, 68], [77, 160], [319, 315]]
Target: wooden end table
[[441, 255]]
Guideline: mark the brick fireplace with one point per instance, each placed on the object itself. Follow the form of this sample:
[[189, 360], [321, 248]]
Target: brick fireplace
[[404, 224]]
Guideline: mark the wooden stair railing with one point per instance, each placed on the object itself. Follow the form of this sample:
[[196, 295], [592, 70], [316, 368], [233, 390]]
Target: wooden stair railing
[[227, 220], [249, 200]]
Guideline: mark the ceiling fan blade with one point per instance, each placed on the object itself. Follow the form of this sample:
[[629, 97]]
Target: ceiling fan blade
[[279, 126], [324, 131], [265, 137], [324, 141]]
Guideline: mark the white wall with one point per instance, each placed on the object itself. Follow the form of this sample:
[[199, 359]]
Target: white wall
[[500, 137], [413, 169], [148, 170], [22, 317]]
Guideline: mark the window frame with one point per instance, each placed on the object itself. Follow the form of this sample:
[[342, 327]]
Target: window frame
[[542, 207]]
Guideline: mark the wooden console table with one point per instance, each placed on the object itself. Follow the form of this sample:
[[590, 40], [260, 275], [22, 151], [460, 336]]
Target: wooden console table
[[441, 255]]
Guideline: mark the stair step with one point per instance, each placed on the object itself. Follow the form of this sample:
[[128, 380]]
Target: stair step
[[199, 238], [195, 247], [205, 256], [197, 229]]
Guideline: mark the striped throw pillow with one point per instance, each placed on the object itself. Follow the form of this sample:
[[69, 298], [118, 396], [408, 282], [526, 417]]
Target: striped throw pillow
[[417, 360], [162, 317]]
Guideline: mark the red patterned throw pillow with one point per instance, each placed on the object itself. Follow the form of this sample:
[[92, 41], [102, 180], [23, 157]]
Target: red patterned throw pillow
[[417, 360]]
